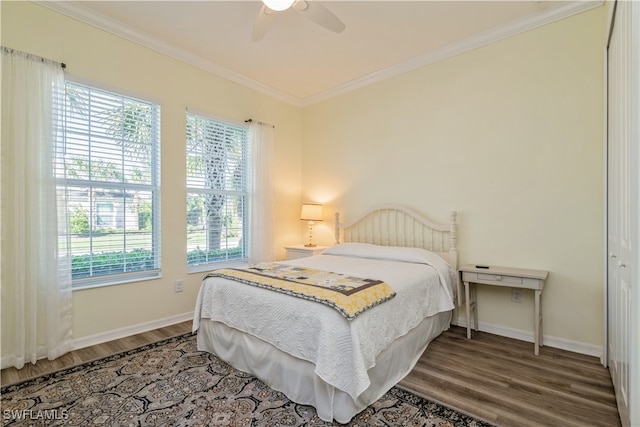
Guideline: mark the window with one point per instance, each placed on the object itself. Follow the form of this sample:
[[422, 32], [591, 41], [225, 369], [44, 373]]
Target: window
[[217, 192], [107, 169]]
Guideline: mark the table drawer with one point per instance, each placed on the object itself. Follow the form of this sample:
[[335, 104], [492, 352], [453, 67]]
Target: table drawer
[[500, 278], [296, 254]]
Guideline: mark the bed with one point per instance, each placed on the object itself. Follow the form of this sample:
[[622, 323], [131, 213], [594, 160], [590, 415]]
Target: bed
[[339, 360]]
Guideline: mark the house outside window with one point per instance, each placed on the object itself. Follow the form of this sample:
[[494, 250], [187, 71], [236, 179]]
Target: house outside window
[[217, 193], [107, 169]]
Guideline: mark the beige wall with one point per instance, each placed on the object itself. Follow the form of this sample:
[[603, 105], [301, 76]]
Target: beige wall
[[101, 59], [511, 136]]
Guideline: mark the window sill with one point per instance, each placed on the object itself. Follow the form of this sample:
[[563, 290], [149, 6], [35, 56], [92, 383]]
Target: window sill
[[201, 268], [116, 281]]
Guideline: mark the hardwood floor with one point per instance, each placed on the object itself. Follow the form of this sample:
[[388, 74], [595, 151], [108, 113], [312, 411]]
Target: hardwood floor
[[500, 380], [489, 377], [11, 375]]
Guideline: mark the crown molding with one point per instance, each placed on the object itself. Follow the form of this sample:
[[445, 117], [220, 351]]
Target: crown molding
[[561, 11], [102, 22], [552, 14]]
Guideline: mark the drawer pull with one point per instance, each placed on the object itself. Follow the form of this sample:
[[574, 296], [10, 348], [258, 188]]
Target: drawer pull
[[498, 278]]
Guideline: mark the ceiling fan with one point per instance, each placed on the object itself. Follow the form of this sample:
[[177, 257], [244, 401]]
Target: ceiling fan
[[311, 9]]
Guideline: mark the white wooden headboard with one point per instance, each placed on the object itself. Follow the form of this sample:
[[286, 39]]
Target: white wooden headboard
[[394, 225]]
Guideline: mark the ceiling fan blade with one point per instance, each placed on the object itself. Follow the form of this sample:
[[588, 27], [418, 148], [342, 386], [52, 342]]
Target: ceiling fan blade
[[262, 24], [320, 15]]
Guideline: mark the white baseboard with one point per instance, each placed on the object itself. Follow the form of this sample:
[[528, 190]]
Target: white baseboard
[[549, 341], [130, 330]]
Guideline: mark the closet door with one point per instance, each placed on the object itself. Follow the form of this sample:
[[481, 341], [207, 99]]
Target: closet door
[[622, 205]]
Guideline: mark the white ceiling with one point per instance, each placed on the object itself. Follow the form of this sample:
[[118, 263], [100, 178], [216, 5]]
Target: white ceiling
[[301, 62]]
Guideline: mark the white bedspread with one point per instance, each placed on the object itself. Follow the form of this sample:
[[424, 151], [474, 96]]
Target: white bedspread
[[341, 350]]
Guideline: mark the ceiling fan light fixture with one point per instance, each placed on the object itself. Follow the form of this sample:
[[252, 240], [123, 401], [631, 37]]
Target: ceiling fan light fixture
[[278, 5]]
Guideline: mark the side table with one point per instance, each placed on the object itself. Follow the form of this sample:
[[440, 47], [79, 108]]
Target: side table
[[507, 277], [302, 251]]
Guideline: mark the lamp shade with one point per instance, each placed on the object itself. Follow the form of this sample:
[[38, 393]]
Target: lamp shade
[[311, 213]]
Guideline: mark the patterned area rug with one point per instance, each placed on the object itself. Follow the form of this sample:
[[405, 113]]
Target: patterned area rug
[[171, 383]]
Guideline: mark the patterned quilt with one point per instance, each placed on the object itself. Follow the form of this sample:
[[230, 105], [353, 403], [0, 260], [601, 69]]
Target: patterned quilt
[[349, 295]]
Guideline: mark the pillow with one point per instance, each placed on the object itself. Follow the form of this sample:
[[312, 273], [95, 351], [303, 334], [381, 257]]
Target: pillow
[[392, 253], [448, 276]]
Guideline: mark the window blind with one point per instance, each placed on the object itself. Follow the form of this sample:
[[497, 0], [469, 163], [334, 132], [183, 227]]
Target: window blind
[[107, 168], [217, 192]]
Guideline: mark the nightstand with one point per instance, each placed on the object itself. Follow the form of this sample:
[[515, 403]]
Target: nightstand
[[507, 277], [302, 251]]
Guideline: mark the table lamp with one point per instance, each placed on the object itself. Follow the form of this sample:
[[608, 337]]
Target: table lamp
[[311, 213]]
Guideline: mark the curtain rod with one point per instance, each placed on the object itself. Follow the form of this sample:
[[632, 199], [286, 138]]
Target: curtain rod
[[32, 56], [260, 123]]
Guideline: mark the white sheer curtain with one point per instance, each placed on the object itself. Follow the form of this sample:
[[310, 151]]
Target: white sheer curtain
[[36, 282], [261, 203]]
